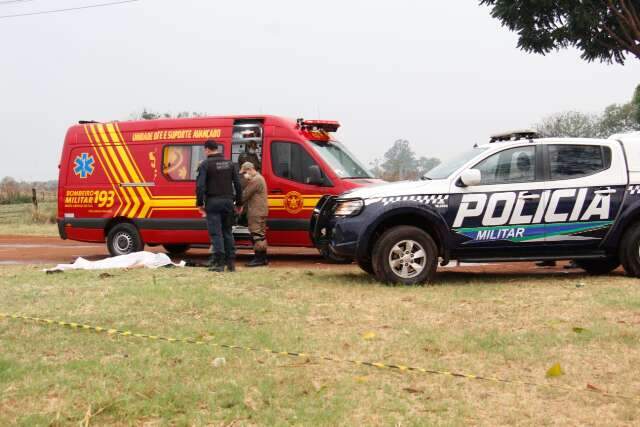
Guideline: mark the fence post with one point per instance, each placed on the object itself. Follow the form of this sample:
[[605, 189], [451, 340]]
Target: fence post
[[34, 198]]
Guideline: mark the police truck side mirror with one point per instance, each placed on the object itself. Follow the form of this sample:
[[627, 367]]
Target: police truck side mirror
[[315, 176], [470, 177]]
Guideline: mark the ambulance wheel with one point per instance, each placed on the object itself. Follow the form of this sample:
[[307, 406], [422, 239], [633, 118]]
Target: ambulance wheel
[[597, 267], [332, 258], [176, 249], [630, 251], [124, 239], [405, 255]]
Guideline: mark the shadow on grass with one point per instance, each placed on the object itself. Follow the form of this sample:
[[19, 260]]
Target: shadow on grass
[[468, 278]]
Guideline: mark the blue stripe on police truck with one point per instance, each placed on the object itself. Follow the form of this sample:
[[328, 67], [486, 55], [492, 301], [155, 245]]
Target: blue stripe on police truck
[[534, 232]]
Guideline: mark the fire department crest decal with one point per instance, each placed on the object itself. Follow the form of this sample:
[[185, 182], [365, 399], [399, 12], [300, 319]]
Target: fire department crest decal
[[84, 165], [293, 202]]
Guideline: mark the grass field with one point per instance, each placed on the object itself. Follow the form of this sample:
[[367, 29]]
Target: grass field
[[20, 219], [510, 326]]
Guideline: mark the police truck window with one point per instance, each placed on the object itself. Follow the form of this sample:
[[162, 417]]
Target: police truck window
[[575, 161], [509, 166]]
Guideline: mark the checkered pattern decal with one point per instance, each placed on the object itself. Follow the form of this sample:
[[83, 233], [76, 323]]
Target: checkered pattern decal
[[439, 200], [634, 189]]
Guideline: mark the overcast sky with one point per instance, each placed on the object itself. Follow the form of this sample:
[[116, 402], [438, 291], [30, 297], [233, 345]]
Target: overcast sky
[[443, 75]]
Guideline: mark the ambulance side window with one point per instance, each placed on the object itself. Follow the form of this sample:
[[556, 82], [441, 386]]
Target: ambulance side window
[[291, 161], [509, 166], [180, 162]]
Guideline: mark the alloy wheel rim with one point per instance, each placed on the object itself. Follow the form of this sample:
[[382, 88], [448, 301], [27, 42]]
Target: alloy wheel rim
[[407, 259]]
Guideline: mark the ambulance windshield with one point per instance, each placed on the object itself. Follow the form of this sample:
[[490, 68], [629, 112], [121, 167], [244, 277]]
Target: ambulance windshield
[[446, 168], [343, 163]]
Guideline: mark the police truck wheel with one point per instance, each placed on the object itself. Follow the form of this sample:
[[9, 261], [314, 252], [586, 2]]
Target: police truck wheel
[[598, 267], [630, 251], [124, 239], [366, 265], [332, 258], [176, 249], [405, 255]]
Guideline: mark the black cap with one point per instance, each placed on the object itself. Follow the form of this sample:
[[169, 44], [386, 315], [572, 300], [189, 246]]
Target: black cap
[[211, 145]]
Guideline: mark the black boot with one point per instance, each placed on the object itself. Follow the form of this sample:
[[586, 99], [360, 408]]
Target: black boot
[[218, 263], [259, 260], [231, 265], [211, 261]]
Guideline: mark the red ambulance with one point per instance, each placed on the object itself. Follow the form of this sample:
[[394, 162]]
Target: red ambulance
[[133, 183]]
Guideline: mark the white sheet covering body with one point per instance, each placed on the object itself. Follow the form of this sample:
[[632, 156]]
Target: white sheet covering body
[[134, 260]]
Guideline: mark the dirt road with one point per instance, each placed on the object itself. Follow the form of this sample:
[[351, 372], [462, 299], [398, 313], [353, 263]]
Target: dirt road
[[17, 250]]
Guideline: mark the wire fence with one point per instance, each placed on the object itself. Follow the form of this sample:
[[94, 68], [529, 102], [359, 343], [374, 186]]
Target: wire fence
[[36, 207], [20, 197]]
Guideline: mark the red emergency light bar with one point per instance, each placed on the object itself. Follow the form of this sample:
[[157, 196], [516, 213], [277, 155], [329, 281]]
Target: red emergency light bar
[[323, 125]]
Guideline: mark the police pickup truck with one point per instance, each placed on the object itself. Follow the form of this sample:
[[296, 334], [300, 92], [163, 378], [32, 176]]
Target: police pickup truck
[[518, 198]]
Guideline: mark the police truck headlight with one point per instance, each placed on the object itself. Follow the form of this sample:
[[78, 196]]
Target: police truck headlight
[[349, 207]]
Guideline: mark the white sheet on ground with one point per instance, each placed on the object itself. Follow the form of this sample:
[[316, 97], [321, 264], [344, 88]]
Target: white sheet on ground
[[134, 260]]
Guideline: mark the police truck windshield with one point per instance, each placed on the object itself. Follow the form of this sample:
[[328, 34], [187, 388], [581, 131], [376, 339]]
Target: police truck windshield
[[341, 160], [445, 169]]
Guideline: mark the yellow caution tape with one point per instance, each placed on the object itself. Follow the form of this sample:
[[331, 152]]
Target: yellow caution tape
[[401, 368]]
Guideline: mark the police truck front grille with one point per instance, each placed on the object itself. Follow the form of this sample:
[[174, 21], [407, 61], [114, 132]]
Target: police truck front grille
[[320, 230]]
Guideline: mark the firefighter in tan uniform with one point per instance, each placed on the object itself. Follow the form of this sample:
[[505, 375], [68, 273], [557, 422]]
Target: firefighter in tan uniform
[[256, 202]]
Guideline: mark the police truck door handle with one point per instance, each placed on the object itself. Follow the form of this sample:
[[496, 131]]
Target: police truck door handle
[[605, 191], [528, 196], [276, 191]]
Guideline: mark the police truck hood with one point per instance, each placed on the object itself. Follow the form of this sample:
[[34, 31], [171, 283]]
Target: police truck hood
[[402, 188]]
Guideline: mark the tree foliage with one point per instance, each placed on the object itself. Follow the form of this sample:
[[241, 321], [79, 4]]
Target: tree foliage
[[603, 30], [616, 118], [636, 104], [13, 191], [573, 124], [400, 163]]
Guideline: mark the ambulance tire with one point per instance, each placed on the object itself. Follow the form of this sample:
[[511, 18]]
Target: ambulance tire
[[124, 239], [630, 250], [403, 237], [332, 258], [598, 267], [176, 249]]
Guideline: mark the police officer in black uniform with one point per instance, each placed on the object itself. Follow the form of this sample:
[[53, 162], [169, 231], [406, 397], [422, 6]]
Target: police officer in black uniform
[[217, 185]]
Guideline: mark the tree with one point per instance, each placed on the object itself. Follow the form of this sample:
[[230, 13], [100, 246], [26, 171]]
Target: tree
[[399, 161], [604, 30], [569, 124], [9, 189], [425, 164], [636, 105], [376, 169], [616, 118]]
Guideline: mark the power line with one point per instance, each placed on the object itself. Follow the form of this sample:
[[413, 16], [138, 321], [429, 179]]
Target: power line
[[44, 12]]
